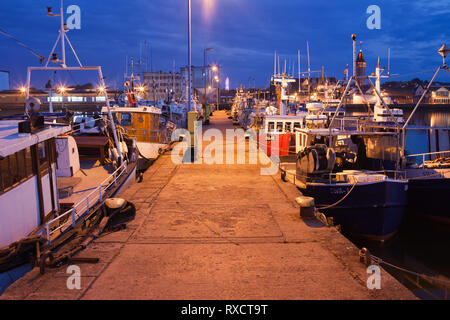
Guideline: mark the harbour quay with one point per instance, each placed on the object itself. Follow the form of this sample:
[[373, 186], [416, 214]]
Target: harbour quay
[[213, 231]]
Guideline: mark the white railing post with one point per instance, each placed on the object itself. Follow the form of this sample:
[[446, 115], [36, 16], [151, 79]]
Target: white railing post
[[87, 204], [47, 230], [100, 192], [74, 218]]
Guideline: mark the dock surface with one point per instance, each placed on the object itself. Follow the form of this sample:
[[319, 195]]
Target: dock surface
[[214, 232]]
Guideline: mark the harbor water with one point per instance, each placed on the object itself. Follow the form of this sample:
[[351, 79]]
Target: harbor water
[[420, 246]]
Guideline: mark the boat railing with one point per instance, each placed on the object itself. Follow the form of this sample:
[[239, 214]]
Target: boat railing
[[69, 218], [346, 123], [430, 155], [331, 177]]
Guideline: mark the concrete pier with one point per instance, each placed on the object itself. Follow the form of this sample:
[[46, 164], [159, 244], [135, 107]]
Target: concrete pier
[[214, 232]]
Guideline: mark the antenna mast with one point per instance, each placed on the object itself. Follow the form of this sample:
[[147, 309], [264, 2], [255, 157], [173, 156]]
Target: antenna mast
[[389, 61], [63, 37], [299, 74], [309, 70]]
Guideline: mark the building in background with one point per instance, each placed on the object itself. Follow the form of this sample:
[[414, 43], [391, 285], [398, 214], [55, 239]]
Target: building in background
[[159, 85], [4, 80], [198, 83], [440, 94]]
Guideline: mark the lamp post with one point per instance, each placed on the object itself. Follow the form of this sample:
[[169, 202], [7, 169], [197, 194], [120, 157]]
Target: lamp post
[[206, 76], [216, 80], [218, 92], [189, 56]]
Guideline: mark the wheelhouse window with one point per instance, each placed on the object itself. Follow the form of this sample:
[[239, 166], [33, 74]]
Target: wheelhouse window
[[15, 169], [288, 127], [271, 126], [126, 119], [279, 126], [43, 152]]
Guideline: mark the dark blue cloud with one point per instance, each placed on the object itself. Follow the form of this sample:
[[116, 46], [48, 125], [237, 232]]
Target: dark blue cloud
[[244, 33]]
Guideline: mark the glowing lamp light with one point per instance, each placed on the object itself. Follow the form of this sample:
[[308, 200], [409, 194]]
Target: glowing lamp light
[[23, 89], [62, 90], [101, 89], [214, 68], [140, 89]]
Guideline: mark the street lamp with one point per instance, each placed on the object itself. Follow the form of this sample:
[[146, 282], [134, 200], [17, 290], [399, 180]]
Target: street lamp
[[217, 79], [189, 56], [206, 75], [62, 90]]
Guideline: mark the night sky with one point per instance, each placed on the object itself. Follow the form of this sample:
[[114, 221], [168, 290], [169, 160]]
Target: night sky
[[244, 34]]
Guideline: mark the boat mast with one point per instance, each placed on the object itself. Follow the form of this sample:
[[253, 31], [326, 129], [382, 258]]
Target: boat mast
[[309, 72], [299, 73], [61, 65]]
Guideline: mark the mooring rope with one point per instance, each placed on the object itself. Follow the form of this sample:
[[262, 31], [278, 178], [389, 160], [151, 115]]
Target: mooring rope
[[342, 199], [368, 258]]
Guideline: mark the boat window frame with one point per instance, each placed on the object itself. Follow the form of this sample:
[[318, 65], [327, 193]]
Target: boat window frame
[[279, 126], [130, 121], [29, 170], [288, 127]]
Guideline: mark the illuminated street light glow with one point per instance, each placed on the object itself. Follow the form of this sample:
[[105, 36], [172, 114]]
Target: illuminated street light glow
[[23, 90], [62, 90]]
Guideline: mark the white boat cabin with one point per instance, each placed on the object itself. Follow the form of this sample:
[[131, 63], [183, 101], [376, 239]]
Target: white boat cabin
[[282, 124], [28, 192]]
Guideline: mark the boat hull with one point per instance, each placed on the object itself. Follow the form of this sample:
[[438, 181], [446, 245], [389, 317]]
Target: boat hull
[[371, 210]]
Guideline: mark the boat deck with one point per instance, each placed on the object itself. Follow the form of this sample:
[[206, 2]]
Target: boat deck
[[90, 176]]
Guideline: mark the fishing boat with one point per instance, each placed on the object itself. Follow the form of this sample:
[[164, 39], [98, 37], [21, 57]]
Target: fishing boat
[[144, 123], [332, 168], [352, 168], [277, 126]]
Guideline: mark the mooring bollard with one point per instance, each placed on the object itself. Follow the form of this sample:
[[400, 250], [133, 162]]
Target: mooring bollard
[[307, 207]]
